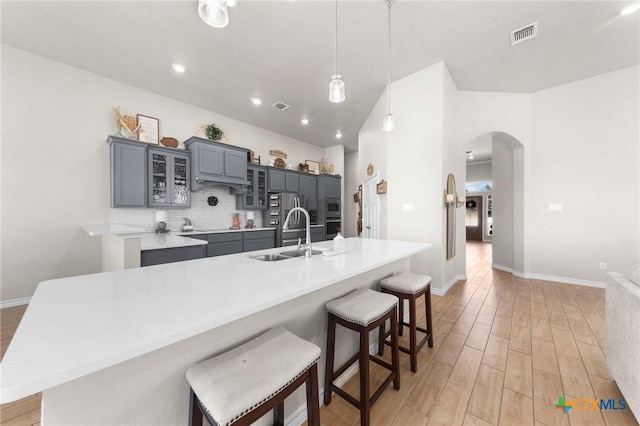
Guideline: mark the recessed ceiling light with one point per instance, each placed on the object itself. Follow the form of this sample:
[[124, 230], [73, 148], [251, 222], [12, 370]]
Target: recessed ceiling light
[[630, 9], [256, 101], [304, 121], [179, 68], [338, 134]]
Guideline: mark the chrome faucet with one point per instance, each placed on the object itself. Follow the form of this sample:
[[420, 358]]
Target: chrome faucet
[[306, 247]]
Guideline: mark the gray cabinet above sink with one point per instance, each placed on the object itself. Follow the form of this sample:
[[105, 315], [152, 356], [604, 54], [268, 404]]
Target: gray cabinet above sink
[[215, 163]]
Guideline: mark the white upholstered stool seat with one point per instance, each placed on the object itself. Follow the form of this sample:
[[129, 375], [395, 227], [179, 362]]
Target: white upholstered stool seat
[[234, 383], [362, 306], [362, 311], [406, 282]]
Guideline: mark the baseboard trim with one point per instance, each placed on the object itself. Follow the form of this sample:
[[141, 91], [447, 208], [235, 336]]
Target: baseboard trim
[[543, 277], [15, 302], [442, 291]]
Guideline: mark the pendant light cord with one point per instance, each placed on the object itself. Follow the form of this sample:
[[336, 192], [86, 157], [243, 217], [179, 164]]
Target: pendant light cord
[[389, 73], [336, 36]]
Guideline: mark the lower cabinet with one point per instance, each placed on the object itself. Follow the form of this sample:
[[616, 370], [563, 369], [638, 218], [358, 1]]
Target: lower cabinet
[[259, 240], [317, 234], [224, 243], [169, 255]]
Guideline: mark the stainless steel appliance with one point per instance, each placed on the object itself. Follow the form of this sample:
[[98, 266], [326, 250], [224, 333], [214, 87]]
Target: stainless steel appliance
[[279, 206], [332, 208], [332, 227]]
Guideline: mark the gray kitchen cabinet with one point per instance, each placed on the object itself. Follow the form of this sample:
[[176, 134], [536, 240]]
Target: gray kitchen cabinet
[[317, 234], [169, 255], [128, 172], [224, 243], [168, 177], [283, 180], [332, 187], [309, 188], [217, 163], [255, 196], [292, 182], [259, 240]]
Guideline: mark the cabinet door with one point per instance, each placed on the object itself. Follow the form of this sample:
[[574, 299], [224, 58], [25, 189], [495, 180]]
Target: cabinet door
[[180, 184], [309, 188], [176, 254], [276, 180], [159, 181], [210, 160], [332, 187], [235, 164], [317, 234], [128, 180], [261, 189], [292, 183]]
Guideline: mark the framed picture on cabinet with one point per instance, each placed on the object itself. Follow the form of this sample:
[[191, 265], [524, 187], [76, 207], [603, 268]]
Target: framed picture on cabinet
[[149, 130], [314, 167]]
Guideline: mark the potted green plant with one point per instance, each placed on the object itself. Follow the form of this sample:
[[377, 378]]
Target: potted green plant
[[213, 132]]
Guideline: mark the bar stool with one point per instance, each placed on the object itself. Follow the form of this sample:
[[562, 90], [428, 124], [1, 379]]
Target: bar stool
[[362, 311], [406, 286], [240, 386]]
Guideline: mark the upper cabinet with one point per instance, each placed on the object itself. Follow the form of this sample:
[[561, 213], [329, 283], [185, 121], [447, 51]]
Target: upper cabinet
[[255, 196], [309, 188], [281, 180], [168, 178], [332, 185], [216, 163], [128, 172]]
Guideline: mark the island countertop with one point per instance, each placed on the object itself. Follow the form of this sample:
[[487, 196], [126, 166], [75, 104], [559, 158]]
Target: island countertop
[[79, 325]]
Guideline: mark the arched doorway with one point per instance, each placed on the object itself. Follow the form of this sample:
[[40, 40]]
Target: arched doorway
[[495, 195]]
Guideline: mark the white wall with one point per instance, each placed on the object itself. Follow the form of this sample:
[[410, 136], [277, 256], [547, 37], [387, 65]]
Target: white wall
[[585, 156], [55, 162], [479, 172], [503, 225], [419, 155]]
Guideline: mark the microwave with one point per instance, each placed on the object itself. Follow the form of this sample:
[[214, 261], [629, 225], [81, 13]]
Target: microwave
[[332, 208]]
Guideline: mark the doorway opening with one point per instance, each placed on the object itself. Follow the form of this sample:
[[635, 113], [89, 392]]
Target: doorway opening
[[494, 193]]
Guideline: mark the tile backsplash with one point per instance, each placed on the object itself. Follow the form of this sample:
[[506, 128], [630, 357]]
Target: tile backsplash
[[201, 214]]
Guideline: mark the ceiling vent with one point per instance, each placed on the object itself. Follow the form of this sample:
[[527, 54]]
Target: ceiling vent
[[524, 33], [281, 106]]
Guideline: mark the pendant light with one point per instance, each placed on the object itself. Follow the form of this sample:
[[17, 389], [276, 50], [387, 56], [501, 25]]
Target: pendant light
[[389, 122], [336, 86], [215, 12]]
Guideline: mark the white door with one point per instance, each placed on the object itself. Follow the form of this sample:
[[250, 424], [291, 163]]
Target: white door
[[370, 208]]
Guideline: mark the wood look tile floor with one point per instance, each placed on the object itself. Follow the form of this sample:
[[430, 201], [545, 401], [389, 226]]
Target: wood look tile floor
[[504, 350]]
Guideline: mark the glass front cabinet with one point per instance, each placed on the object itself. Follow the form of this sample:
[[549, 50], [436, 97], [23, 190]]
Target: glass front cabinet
[[255, 197], [169, 178]]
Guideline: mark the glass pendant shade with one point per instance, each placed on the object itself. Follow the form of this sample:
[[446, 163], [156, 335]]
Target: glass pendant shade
[[214, 12], [336, 89], [389, 123]]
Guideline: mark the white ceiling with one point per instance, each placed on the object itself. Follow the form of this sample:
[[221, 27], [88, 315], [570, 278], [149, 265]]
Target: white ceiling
[[284, 50]]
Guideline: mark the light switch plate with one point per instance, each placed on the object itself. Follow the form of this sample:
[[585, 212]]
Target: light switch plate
[[555, 207], [407, 207]]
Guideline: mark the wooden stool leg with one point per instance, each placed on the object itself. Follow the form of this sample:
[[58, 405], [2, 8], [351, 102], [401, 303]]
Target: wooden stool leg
[[427, 304], [365, 401], [195, 413], [400, 316], [313, 404], [413, 354], [328, 372], [278, 415], [381, 332], [395, 352]]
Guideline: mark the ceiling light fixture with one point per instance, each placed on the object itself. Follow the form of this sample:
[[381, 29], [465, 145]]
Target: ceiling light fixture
[[179, 68], [336, 85], [215, 12], [256, 101], [338, 134], [304, 121], [470, 155], [389, 122], [630, 9]]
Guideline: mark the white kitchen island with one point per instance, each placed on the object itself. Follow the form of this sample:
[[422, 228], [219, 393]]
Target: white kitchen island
[[112, 348]]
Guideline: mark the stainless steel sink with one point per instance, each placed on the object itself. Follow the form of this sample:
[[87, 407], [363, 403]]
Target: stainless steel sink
[[296, 253], [270, 257]]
